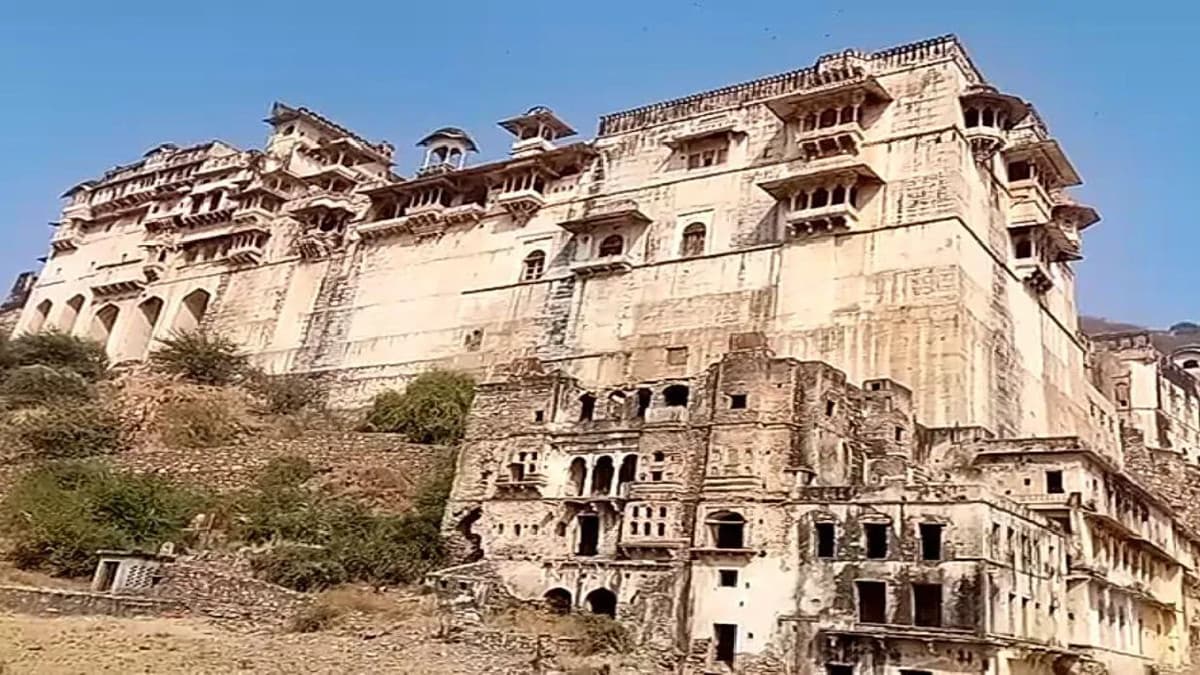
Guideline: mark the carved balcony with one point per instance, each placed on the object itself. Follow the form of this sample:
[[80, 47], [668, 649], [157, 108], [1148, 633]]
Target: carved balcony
[[246, 249], [427, 219], [65, 239], [1035, 274], [821, 220], [381, 229], [120, 278], [463, 214], [521, 204]]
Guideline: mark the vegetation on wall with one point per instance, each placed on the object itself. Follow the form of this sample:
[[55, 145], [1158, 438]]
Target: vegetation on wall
[[70, 431], [433, 409], [34, 385], [60, 351]]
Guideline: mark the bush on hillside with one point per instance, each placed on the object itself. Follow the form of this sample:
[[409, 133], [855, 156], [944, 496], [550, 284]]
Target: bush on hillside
[[60, 351], [199, 357], [27, 386], [341, 540], [198, 422], [57, 516], [62, 431], [301, 568], [283, 394], [433, 409]]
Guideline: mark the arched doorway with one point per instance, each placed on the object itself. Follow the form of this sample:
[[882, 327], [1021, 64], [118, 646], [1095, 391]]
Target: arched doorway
[[627, 473], [558, 600], [191, 311], [602, 601], [577, 476], [602, 476]]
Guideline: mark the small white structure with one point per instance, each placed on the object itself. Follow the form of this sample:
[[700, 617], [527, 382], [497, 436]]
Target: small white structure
[[128, 571]]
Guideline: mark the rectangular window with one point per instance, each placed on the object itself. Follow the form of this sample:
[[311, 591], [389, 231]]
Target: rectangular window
[[677, 356], [825, 540], [1054, 482], [838, 669], [927, 605], [729, 578], [872, 601], [931, 541], [877, 540], [737, 401]]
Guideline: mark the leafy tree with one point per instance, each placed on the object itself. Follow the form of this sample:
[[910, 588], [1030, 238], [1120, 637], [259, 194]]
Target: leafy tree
[[433, 409], [199, 357], [57, 516]]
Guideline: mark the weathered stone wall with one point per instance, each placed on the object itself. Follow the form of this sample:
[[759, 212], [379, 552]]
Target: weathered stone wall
[[213, 590], [58, 602]]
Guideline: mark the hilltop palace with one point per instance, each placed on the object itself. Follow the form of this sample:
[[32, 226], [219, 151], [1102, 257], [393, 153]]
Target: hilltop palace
[[785, 376]]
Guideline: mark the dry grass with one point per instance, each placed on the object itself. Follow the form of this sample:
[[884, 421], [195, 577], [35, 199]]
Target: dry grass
[[10, 575]]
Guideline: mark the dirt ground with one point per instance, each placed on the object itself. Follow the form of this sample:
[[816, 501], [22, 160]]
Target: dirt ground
[[96, 644]]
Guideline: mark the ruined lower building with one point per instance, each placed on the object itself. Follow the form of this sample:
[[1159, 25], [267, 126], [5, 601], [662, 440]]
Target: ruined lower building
[[768, 516]]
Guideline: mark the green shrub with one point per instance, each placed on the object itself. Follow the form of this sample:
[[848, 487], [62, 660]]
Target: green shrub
[[285, 472], [57, 516], [283, 394], [433, 409], [60, 351], [199, 357], [314, 618], [279, 508], [70, 431], [301, 568], [27, 386], [202, 422]]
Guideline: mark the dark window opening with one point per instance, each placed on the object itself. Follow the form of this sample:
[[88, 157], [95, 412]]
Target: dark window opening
[[899, 434], [589, 534], [872, 601], [587, 407], [1023, 247], [838, 669], [737, 401], [656, 476], [675, 396], [877, 540], [602, 601], [558, 600], [662, 529], [972, 117], [909, 671], [108, 575], [726, 637], [626, 474], [1191, 363], [825, 540], [677, 356], [659, 456], [1019, 171], [729, 578], [728, 530], [693, 240], [1054, 482], [931, 541], [539, 416], [927, 604], [643, 402], [602, 476], [829, 408], [612, 245]]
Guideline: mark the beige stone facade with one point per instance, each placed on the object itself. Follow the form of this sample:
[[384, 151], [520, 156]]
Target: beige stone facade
[[785, 376]]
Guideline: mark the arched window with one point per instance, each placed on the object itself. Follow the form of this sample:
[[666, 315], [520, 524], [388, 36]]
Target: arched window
[[533, 266], [138, 335], [602, 601], [587, 407], [829, 117], [627, 473], [558, 600], [40, 313], [191, 311], [693, 240], [1191, 363], [577, 476], [727, 529], [676, 395], [70, 314], [473, 340], [971, 117], [602, 476], [613, 244], [103, 323]]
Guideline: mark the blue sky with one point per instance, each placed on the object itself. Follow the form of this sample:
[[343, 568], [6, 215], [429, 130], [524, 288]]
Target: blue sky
[[88, 85]]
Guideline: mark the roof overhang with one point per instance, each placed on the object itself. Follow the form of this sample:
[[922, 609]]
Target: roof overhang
[[535, 117], [1080, 215], [786, 106], [678, 140], [782, 188], [627, 213], [1016, 108], [1047, 153]]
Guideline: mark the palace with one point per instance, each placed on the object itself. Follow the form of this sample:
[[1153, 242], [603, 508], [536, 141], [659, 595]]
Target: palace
[[787, 376]]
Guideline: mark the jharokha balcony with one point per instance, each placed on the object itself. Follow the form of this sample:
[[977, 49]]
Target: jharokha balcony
[[815, 203]]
